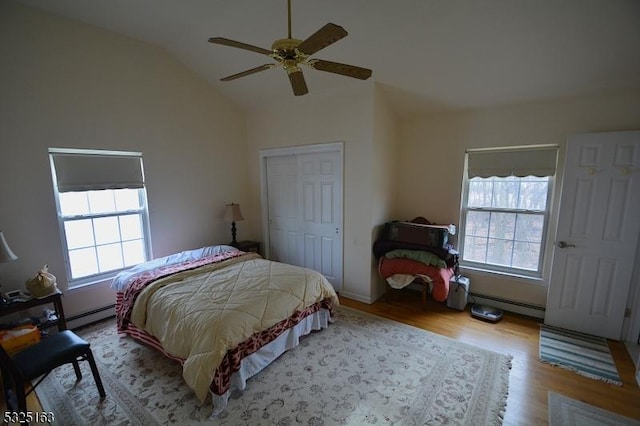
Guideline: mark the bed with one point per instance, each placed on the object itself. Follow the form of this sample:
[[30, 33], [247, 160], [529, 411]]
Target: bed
[[222, 313]]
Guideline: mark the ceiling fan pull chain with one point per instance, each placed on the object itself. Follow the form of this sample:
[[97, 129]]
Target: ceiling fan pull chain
[[289, 15]]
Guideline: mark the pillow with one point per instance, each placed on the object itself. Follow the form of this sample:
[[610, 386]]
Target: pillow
[[126, 277]]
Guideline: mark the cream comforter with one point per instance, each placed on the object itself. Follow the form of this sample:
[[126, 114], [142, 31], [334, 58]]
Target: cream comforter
[[200, 314]]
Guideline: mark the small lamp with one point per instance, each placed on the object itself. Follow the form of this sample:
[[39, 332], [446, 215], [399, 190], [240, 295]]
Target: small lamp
[[6, 255], [233, 214]]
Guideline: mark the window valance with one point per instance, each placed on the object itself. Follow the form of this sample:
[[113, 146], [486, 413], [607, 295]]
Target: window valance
[[526, 161], [86, 170]]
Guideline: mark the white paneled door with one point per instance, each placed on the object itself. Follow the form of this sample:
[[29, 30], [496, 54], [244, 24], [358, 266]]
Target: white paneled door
[[304, 203], [597, 236], [285, 226]]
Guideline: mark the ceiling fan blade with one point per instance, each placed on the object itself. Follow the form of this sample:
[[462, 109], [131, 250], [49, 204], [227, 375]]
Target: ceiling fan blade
[[248, 72], [342, 69], [297, 83], [232, 43], [322, 38]]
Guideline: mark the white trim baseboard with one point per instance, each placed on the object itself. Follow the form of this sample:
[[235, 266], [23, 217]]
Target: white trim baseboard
[[81, 320], [356, 297]]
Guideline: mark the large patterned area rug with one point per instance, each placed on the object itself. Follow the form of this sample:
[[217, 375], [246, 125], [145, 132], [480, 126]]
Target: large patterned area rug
[[363, 369], [564, 411], [582, 353]]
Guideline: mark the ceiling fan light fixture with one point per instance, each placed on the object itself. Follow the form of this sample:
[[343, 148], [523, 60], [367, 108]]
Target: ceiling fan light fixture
[[291, 65]]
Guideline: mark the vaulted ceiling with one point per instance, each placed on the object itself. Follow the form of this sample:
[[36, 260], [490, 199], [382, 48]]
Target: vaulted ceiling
[[427, 55]]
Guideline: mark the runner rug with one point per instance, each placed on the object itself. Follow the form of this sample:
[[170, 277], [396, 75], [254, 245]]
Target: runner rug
[[582, 353], [564, 411], [362, 369]]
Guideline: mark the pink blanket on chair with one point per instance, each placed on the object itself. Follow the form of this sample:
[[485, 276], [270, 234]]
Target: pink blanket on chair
[[439, 276]]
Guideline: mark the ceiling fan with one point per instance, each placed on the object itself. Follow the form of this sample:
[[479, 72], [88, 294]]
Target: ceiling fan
[[291, 53]]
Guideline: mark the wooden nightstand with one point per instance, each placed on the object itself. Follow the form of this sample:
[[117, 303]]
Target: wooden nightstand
[[55, 299], [248, 246]]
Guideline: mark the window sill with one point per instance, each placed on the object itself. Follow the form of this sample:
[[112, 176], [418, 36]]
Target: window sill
[[528, 279]]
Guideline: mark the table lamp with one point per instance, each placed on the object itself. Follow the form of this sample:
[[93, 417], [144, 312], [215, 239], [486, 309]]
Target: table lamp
[[233, 214], [6, 255]]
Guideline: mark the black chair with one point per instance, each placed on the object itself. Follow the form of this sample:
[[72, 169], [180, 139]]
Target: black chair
[[64, 347]]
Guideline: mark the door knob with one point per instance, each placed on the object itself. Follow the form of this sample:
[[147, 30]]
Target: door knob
[[564, 244]]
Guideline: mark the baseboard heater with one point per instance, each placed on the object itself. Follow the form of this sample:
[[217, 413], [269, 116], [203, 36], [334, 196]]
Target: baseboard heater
[[91, 317], [536, 311]]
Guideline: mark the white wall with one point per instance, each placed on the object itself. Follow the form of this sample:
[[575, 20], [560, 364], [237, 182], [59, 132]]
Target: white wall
[[66, 84], [433, 147], [344, 117], [386, 139]]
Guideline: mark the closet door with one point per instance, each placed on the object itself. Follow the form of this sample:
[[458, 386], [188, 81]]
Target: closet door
[[284, 212], [304, 205], [320, 186]]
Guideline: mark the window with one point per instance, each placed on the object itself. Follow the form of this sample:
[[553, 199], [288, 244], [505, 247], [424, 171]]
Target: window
[[505, 209], [102, 211]]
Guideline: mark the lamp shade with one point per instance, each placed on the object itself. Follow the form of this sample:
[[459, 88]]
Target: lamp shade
[[6, 254], [232, 213]]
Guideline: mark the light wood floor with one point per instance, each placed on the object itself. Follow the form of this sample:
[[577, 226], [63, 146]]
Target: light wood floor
[[530, 380], [517, 335]]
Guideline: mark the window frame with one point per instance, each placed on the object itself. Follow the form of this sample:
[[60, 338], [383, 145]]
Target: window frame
[[142, 211], [539, 273], [511, 161]]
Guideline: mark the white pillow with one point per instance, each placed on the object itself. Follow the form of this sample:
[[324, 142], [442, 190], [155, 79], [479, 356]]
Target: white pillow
[[126, 277]]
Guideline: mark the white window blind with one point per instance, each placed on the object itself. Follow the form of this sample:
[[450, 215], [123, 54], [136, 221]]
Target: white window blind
[[540, 161], [102, 212], [103, 170]]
